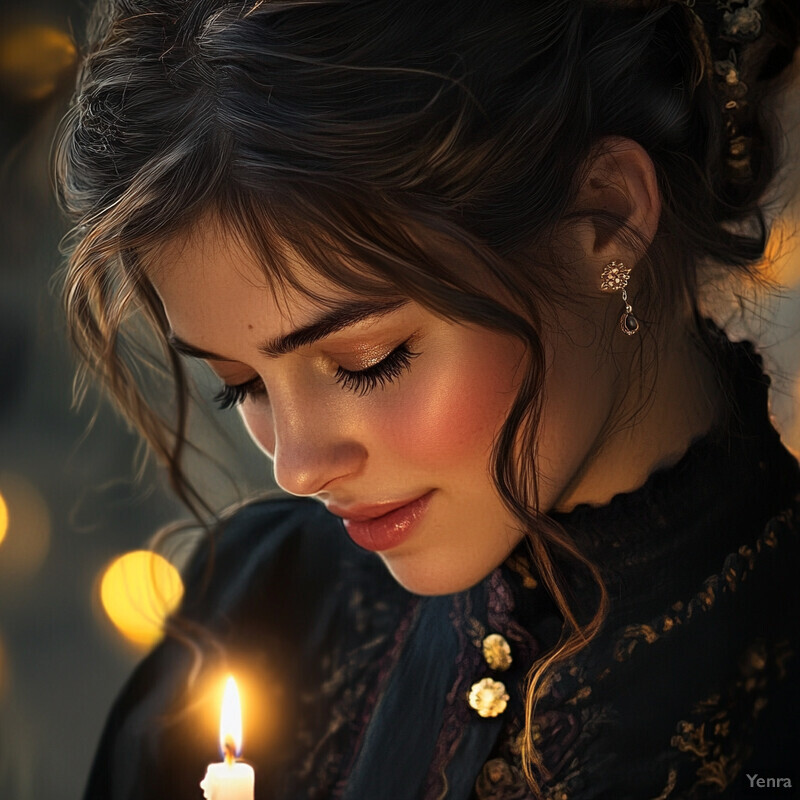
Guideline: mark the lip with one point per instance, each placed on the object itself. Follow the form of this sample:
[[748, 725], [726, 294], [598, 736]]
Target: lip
[[385, 526]]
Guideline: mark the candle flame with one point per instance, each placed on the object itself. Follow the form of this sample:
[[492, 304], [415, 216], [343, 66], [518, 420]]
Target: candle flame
[[230, 722]]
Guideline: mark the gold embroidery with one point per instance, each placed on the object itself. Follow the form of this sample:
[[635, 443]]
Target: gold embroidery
[[734, 571], [690, 739], [521, 565], [672, 778], [631, 636], [722, 728], [720, 751], [720, 772], [581, 694], [747, 553], [475, 631]]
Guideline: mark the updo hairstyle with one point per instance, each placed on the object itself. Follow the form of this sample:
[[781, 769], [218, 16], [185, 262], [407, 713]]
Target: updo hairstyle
[[349, 132]]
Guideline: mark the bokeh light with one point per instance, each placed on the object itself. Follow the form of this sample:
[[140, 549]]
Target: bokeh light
[[138, 591], [781, 255], [3, 518], [4, 669], [27, 538], [33, 60]]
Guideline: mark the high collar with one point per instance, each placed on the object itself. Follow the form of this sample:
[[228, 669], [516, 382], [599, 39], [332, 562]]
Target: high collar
[[686, 517]]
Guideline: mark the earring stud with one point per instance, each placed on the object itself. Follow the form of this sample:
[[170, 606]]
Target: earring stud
[[614, 279]]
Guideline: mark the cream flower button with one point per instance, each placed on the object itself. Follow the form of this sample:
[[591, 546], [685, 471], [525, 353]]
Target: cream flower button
[[497, 652], [488, 697]]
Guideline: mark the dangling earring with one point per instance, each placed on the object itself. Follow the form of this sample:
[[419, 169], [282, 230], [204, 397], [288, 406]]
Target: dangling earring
[[615, 277]]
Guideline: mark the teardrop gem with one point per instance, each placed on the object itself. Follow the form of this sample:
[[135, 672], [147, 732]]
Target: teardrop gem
[[629, 324]]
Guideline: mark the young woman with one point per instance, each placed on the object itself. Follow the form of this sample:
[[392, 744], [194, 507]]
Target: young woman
[[445, 259]]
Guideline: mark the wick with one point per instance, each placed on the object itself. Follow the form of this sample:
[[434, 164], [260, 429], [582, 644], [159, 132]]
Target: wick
[[230, 750]]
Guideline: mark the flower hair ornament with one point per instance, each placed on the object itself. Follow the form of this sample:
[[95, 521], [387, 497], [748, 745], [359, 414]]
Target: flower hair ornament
[[734, 53], [725, 31]]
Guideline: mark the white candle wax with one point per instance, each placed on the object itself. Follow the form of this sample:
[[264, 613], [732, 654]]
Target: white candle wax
[[226, 781]]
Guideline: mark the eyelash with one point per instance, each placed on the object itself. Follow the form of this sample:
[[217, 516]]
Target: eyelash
[[389, 369], [230, 396], [361, 382]]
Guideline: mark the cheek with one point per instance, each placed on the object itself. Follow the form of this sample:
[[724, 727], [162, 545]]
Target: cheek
[[446, 412], [258, 421], [453, 409]]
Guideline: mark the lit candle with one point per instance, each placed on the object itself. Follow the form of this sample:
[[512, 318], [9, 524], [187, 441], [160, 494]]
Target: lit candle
[[232, 779]]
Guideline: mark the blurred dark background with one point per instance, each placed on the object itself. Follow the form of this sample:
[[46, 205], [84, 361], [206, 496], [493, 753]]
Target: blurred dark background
[[69, 503]]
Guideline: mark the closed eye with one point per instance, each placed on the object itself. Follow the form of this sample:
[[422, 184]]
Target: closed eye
[[388, 370], [361, 381], [230, 396]]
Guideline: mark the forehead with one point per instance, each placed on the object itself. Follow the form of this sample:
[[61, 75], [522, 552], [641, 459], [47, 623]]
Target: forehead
[[211, 270], [213, 253]]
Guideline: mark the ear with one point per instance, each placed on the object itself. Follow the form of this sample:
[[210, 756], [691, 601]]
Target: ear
[[621, 179]]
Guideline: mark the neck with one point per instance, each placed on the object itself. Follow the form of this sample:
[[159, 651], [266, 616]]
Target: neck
[[674, 402]]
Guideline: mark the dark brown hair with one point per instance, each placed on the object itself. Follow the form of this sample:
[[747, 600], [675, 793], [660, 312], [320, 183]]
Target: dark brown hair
[[351, 131]]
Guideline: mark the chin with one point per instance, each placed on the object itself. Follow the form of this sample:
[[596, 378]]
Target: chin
[[419, 576]]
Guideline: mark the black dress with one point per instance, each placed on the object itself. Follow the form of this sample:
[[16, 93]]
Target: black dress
[[356, 689]]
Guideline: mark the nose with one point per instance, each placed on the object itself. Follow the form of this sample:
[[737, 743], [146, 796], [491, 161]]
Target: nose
[[309, 467], [311, 451]]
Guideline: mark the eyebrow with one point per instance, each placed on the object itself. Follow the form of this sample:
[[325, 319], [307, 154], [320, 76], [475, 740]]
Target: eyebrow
[[333, 321]]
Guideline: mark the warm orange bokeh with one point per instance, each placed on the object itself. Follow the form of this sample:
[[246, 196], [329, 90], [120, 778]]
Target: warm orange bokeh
[[138, 591], [3, 518], [33, 59], [26, 519]]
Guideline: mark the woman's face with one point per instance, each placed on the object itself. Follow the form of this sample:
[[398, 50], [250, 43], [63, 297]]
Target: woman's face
[[386, 415]]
